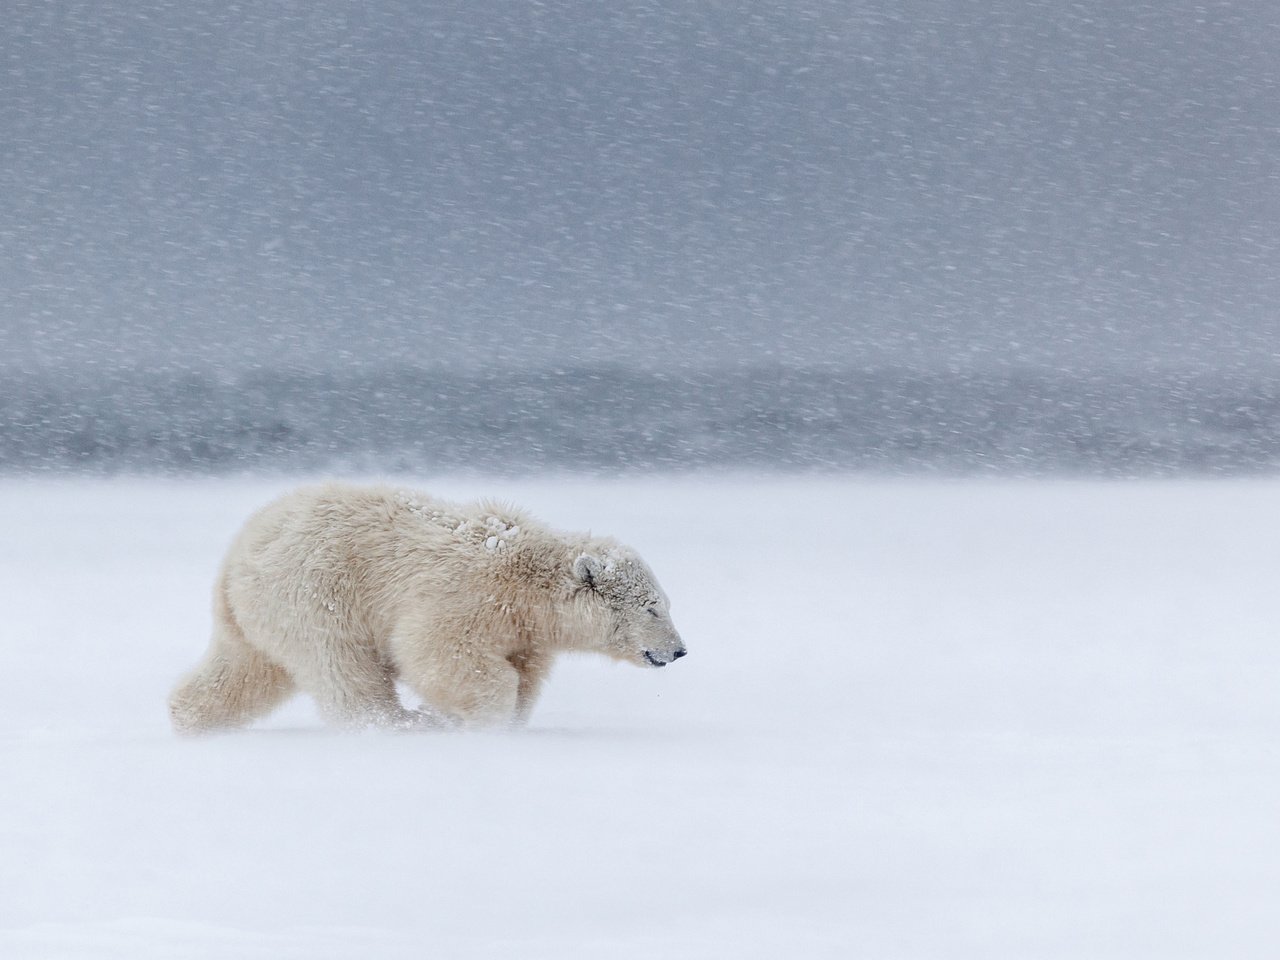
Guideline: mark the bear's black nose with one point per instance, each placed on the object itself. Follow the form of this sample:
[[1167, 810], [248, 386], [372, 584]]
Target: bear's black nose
[[679, 653]]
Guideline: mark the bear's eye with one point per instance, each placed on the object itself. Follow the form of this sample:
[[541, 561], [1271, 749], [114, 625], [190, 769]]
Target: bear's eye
[[653, 612]]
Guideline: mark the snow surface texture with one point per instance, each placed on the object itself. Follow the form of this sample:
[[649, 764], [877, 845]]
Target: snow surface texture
[[919, 720]]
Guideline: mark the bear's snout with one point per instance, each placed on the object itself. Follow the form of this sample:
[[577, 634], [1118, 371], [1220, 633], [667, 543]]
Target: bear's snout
[[656, 658]]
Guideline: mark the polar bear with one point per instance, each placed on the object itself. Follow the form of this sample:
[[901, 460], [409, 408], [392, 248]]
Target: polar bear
[[340, 591]]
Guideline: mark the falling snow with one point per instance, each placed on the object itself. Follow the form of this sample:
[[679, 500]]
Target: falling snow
[[233, 233], [661, 265]]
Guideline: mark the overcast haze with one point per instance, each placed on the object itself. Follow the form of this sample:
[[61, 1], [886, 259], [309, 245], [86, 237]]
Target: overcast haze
[[918, 183]]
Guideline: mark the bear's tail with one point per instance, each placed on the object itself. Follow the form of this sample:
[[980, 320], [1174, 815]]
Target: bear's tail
[[233, 685]]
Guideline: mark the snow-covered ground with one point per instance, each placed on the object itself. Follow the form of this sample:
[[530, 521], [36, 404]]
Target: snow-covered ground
[[917, 720]]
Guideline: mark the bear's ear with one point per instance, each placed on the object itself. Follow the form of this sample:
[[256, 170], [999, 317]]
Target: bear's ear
[[587, 570]]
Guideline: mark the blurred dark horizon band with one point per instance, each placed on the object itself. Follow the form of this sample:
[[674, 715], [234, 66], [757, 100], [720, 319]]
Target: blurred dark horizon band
[[610, 420]]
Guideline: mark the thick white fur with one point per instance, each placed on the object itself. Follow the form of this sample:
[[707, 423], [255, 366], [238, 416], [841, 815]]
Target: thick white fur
[[340, 591]]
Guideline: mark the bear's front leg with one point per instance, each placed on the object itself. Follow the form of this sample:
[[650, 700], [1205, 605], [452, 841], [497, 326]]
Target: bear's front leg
[[532, 669]]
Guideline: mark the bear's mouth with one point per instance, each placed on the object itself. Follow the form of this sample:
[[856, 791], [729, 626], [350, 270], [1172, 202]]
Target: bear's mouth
[[654, 660]]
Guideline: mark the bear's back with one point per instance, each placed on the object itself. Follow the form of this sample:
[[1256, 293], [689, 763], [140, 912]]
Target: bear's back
[[392, 544]]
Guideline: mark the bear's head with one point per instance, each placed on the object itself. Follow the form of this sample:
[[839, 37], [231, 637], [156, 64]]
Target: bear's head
[[630, 606]]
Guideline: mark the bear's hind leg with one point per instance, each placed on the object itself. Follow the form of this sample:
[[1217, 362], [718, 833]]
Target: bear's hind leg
[[357, 690], [470, 691], [233, 685]]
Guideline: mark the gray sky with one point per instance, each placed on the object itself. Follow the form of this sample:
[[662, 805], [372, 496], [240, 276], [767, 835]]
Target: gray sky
[[514, 183]]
